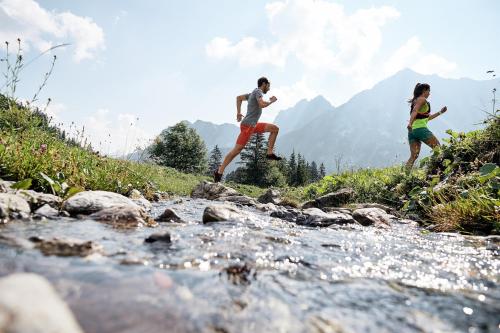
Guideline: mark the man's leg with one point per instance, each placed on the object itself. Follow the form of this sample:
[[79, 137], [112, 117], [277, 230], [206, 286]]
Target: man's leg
[[273, 134], [229, 157]]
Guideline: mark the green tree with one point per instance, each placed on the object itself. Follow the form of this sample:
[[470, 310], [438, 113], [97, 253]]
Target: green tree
[[253, 156], [181, 148], [314, 172], [301, 171], [322, 171], [292, 170], [214, 160]]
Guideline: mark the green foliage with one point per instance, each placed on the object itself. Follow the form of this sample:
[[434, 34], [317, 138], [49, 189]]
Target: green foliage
[[33, 151], [181, 148]]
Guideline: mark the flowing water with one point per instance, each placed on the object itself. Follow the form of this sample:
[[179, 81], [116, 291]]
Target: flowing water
[[267, 275]]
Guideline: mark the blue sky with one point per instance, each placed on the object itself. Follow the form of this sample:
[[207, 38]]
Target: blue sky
[[164, 61]]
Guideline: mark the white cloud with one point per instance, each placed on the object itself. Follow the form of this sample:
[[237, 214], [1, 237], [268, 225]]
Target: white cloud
[[411, 55], [320, 34], [115, 135], [41, 29]]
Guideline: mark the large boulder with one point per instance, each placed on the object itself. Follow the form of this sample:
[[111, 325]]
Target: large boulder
[[38, 199], [271, 196], [124, 217], [47, 211], [28, 303], [13, 206], [212, 191], [89, 202], [373, 216], [318, 218], [217, 191], [66, 247], [334, 199], [218, 213]]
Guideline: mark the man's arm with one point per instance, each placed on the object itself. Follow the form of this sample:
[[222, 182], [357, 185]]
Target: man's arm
[[264, 104], [239, 100]]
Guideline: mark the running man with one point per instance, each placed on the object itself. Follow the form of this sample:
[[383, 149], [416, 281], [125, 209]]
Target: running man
[[250, 124], [420, 114]]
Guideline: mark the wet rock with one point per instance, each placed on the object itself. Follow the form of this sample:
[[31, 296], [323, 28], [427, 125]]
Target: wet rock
[[385, 208], [268, 207], [318, 218], [217, 191], [13, 206], [373, 216], [47, 211], [169, 215], [29, 303], [219, 213], [5, 186], [288, 214], [89, 202], [239, 274], [159, 237], [66, 247], [124, 217], [139, 199], [334, 199], [337, 210], [38, 199], [16, 242], [271, 196]]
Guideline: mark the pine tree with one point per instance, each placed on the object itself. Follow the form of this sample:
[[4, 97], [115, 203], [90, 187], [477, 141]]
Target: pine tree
[[292, 170], [314, 172], [254, 158], [301, 171], [214, 160], [322, 171]]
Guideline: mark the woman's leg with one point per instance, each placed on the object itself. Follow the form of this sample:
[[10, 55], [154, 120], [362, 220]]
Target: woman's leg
[[414, 151], [432, 142]]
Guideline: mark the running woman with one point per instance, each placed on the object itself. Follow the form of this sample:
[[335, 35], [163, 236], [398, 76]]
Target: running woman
[[417, 126], [250, 124]]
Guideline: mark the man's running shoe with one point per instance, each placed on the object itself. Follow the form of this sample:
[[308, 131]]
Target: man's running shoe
[[217, 176], [273, 157]]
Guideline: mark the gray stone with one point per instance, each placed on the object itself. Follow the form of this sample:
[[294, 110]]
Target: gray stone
[[38, 199], [385, 208], [135, 194], [271, 196], [124, 217], [268, 207], [139, 199], [212, 191], [334, 199], [159, 237], [169, 215], [29, 304], [66, 247], [47, 211], [218, 213], [13, 206], [5, 186], [217, 191], [89, 202], [318, 218], [373, 216]]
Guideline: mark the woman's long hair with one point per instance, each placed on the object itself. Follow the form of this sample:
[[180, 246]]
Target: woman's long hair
[[419, 90]]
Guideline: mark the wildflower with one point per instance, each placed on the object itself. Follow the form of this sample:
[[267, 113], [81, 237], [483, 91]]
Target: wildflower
[[43, 148]]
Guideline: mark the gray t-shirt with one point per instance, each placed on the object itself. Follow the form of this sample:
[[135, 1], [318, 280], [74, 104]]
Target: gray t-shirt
[[253, 109]]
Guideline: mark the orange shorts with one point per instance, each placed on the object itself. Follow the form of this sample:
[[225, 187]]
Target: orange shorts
[[247, 131]]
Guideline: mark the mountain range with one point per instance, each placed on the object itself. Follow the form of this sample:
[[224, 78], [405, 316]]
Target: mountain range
[[369, 130]]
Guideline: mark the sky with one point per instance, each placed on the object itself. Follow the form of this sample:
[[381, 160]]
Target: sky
[[133, 68]]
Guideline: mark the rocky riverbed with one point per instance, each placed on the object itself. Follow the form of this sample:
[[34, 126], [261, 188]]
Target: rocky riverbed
[[222, 262]]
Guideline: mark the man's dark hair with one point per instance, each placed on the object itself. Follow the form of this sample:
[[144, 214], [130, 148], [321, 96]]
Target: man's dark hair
[[262, 81]]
